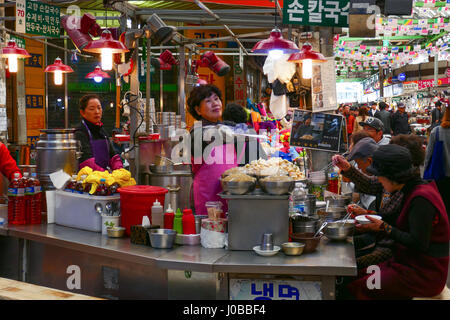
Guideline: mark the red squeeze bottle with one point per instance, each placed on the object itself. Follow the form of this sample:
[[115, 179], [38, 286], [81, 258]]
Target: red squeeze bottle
[[188, 221], [168, 218]]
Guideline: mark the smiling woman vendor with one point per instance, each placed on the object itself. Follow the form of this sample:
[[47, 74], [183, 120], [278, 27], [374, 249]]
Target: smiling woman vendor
[[98, 153], [205, 104]]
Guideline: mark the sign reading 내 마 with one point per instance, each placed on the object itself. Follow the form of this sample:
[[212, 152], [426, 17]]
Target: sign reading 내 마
[[330, 13]]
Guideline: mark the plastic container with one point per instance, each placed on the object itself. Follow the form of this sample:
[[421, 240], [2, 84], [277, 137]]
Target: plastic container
[[214, 209], [298, 199], [188, 221], [178, 222], [157, 216], [136, 201], [29, 193], [36, 201], [168, 218], [78, 210], [333, 182], [16, 201]]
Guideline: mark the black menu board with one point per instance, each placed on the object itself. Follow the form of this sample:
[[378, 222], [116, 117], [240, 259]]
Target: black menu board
[[320, 131]]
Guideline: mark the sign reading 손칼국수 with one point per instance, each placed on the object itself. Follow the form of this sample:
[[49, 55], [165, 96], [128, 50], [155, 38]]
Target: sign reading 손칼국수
[[39, 18], [330, 13]]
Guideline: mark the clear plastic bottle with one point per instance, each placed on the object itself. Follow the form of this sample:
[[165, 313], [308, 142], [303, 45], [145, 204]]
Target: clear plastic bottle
[[29, 193], [297, 199], [102, 189], [36, 201], [70, 186], [16, 191], [157, 217]]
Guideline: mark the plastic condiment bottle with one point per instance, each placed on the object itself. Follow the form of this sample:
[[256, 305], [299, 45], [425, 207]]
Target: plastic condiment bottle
[[188, 220], [157, 217], [178, 222], [168, 218]]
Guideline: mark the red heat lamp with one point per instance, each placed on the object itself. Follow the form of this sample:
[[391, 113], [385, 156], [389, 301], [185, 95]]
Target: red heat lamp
[[12, 52], [306, 57], [58, 68], [98, 75], [106, 46], [275, 44]]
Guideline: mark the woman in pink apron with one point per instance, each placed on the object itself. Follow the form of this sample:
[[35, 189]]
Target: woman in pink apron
[[205, 104], [97, 151]]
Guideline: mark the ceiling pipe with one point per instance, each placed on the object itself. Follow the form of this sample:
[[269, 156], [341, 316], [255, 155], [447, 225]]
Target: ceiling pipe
[[206, 9]]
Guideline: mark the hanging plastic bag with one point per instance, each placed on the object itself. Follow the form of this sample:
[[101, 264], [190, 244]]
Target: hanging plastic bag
[[279, 106]]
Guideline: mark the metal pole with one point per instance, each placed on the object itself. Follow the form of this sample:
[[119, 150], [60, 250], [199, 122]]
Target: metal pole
[[134, 88], [161, 84], [147, 84], [66, 97], [46, 85], [181, 80], [381, 80], [436, 70]]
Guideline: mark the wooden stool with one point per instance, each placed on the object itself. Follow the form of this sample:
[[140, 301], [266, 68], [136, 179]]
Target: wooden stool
[[444, 295], [18, 290]]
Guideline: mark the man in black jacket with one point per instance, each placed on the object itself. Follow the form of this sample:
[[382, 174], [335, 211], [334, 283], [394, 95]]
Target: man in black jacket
[[385, 117], [436, 114], [373, 112], [399, 121]]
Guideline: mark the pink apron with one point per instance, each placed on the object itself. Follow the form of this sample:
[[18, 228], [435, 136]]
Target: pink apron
[[206, 183]]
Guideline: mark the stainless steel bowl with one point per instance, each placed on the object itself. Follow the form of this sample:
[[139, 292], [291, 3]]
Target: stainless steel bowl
[[340, 201], [338, 231], [333, 213], [238, 187], [162, 238], [293, 248], [188, 239], [115, 232], [161, 169], [276, 188]]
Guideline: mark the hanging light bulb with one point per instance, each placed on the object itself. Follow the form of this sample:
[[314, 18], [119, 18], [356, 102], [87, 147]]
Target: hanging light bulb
[[58, 68], [276, 54], [98, 75], [58, 78], [12, 52], [307, 69], [12, 63], [306, 57], [107, 59], [106, 46]]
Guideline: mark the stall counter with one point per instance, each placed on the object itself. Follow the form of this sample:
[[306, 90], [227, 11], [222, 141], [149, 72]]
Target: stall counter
[[147, 273]]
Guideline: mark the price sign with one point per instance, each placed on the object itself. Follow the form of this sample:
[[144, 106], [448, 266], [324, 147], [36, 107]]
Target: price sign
[[316, 12], [39, 18]]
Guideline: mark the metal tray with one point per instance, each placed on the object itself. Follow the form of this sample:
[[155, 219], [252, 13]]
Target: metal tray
[[253, 196]]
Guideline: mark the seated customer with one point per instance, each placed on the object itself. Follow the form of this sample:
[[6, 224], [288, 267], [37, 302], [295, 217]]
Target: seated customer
[[421, 235]]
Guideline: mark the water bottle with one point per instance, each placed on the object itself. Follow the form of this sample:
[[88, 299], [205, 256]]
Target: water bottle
[[29, 193], [297, 200], [12, 193], [36, 202], [16, 193]]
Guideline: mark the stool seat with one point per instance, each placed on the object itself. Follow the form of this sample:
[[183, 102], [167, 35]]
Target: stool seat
[[444, 295]]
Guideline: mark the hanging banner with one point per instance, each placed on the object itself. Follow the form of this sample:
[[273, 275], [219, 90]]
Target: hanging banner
[[39, 18], [239, 82], [320, 131], [329, 13], [324, 86]]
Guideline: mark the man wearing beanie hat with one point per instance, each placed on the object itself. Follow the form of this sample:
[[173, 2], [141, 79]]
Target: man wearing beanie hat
[[400, 123], [420, 235]]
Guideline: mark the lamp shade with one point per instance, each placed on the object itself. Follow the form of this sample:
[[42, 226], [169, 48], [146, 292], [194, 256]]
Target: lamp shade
[[106, 41], [307, 54], [13, 50], [58, 66], [97, 73], [275, 42]]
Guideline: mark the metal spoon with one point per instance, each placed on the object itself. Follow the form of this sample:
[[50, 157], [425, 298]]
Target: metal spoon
[[109, 209], [99, 208], [320, 229]]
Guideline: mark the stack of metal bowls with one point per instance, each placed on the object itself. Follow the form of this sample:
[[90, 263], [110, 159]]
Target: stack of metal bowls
[[302, 224], [276, 187]]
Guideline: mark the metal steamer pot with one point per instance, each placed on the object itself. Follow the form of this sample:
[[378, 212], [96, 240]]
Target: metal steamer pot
[[301, 224], [57, 149]]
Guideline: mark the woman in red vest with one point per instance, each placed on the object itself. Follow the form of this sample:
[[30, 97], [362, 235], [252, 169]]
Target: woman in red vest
[[419, 265]]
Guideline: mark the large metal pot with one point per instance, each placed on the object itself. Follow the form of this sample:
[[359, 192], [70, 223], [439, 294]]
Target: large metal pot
[[302, 224], [340, 201], [57, 149]]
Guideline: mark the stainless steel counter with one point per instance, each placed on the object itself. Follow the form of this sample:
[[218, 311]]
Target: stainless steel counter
[[331, 258]]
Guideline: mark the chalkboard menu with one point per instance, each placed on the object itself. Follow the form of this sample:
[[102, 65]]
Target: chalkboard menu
[[320, 131]]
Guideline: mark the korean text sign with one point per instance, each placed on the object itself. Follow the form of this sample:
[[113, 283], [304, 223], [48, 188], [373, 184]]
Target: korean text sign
[[331, 13], [39, 18]]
